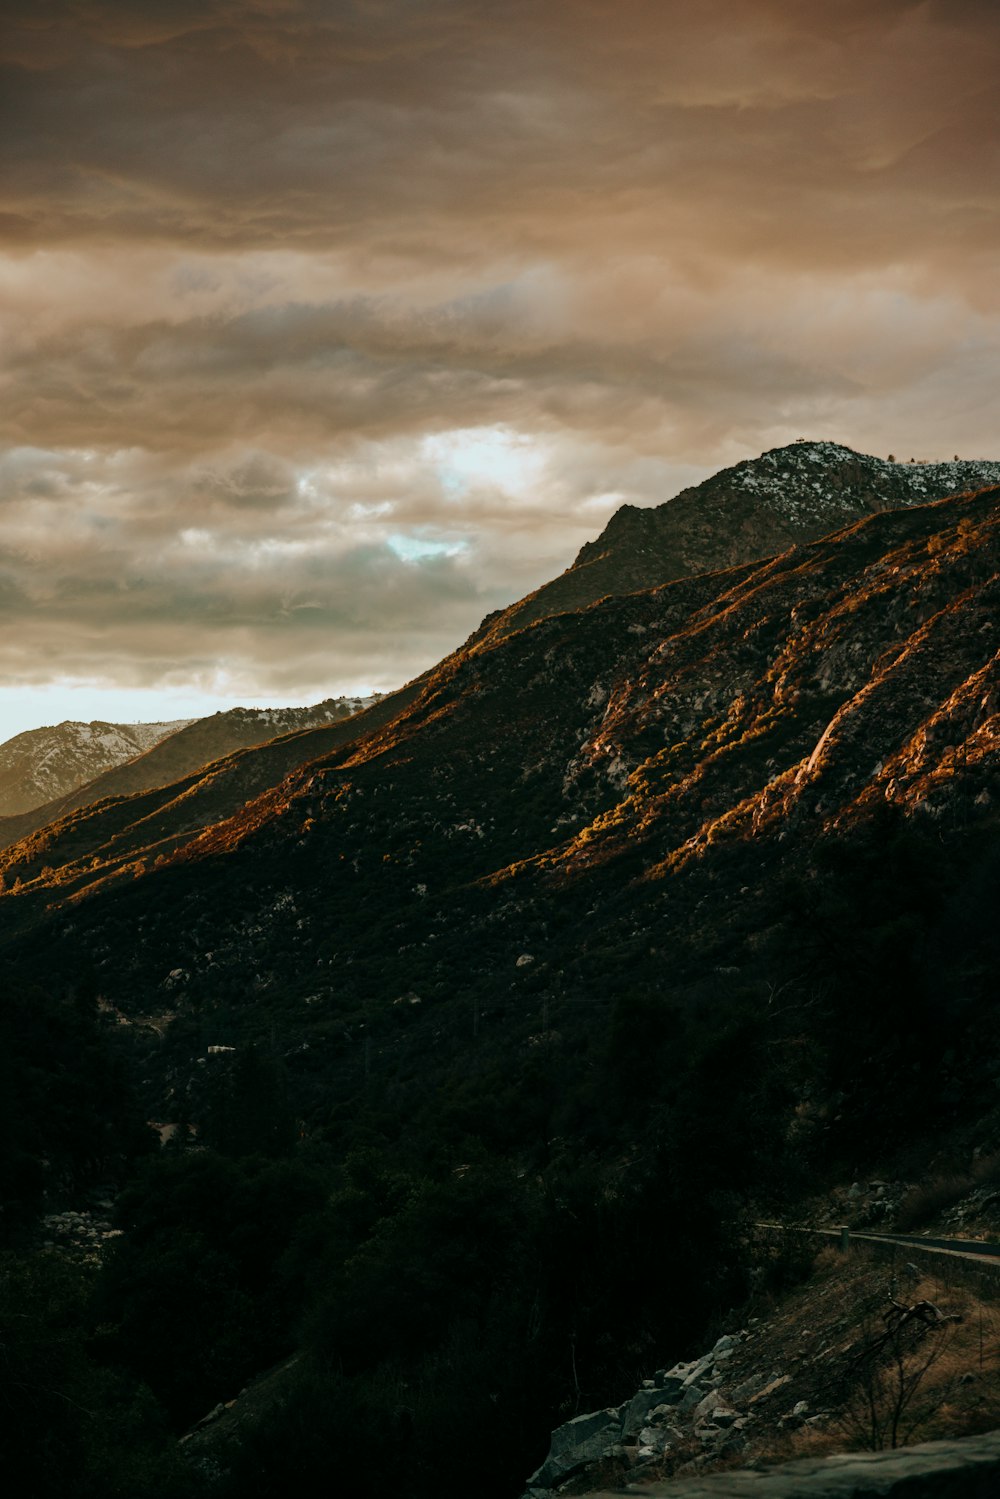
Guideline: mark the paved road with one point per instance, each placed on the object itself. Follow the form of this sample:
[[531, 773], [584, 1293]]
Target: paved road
[[966, 1249]]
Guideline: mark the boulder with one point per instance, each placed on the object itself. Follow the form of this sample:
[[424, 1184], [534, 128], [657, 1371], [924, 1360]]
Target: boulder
[[723, 1415], [580, 1441], [646, 1401], [728, 1341], [692, 1396], [699, 1369], [771, 1388]]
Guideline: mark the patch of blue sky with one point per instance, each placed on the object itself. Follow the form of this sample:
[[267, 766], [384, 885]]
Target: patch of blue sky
[[421, 548]]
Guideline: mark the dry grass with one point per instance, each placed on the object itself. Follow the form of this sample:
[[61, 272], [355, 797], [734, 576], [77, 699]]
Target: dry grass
[[924, 1204], [822, 1333]]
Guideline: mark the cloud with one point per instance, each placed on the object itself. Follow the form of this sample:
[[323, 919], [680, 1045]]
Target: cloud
[[329, 326]]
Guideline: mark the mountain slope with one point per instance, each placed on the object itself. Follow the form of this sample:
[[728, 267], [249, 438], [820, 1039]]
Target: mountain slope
[[116, 836], [43, 765], [855, 669], [752, 510], [634, 707], [182, 748], [598, 935], [593, 762], [742, 514]]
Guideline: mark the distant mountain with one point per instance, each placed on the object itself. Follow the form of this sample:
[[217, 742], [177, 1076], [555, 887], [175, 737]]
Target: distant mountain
[[43, 765], [163, 757], [756, 509]]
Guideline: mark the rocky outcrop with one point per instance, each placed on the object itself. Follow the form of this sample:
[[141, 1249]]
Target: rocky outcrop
[[675, 1404]]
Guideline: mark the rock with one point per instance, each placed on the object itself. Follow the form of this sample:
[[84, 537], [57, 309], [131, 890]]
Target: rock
[[777, 1383], [524, 960], [580, 1441], [714, 1410], [699, 1369], [646, 1401], [723, 1415], [741, 1393], [702, 1409], [800, 1408]]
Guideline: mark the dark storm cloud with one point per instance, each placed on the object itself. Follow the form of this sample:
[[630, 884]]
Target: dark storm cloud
[[288, 285], [406, 130]]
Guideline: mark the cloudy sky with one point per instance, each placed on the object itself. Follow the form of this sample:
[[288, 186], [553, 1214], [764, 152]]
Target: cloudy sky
[[330, 325]]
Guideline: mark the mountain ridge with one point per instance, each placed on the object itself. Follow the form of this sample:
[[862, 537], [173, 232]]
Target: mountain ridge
[[645, 730], [753, 509], [119, 836], [645, 914], [40, 766], [189, 745]]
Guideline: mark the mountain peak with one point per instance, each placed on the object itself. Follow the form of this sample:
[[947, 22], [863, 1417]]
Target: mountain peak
[[754, 509], [815, 484]]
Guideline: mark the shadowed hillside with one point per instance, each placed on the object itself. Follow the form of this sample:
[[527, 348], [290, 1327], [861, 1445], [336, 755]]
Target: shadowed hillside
[[528, 984]]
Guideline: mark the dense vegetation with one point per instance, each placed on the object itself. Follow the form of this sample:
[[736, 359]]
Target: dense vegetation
[[469, 1230], [483, 1033]]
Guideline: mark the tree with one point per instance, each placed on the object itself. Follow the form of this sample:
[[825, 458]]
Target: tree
[[250, 1114], [898, 1350]]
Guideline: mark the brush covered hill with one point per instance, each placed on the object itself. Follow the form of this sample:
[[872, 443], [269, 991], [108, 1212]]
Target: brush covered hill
[[43, 765], [97, 761], [521, 991], [755, 509], [116, 836], [149, 809], [555, 819]]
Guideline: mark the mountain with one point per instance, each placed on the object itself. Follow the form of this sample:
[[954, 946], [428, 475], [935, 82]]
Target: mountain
[[611, 749], [540, 979], [728, 521], [43, 765], [754, 509], [157, 760]]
